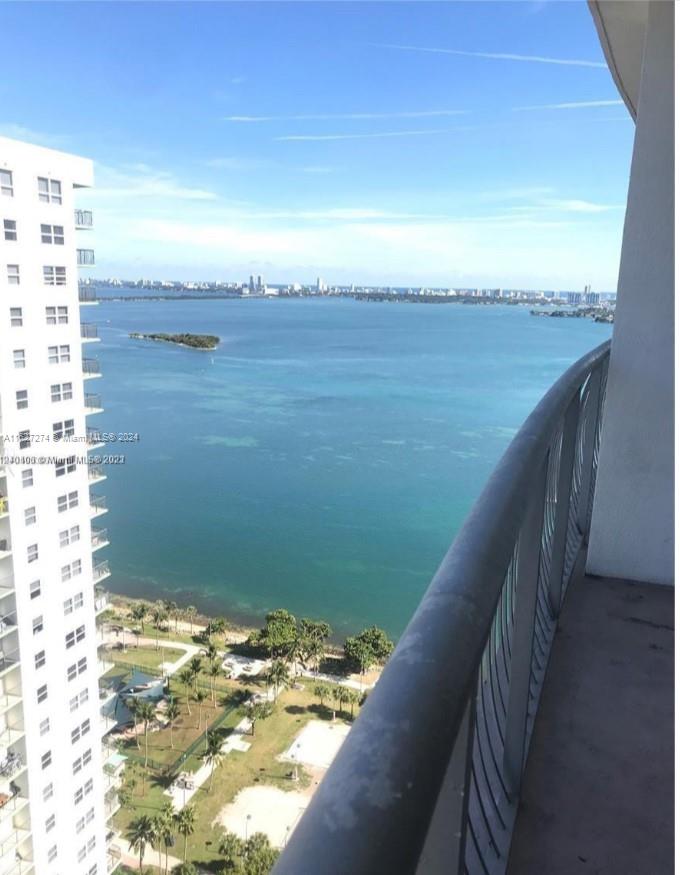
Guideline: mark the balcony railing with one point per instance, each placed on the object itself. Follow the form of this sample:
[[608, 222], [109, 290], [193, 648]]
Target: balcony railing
[[83, 219], [99, 538], [8, 622], [6, 585], [97, 505], [88, 331], [86, 295], [101, 570], [93, 402], [428, 778], [91, 367], [93, 438], [9, 660], [96, 473], [85, 257]]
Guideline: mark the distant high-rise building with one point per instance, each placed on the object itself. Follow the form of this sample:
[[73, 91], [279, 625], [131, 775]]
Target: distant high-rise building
[[260, 283], [251, 284]]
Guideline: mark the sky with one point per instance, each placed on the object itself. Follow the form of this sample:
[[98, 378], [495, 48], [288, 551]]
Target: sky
[[397, 143]]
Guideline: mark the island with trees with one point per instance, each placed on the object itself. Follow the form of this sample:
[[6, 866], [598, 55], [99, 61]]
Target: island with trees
[[195, 341]]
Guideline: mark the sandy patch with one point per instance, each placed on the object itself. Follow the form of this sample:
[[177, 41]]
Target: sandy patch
[[317, 744], [264, 809]]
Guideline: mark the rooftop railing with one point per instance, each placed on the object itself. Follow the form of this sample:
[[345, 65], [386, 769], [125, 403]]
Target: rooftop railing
[[83, 218], [428, 779], [85, 257]]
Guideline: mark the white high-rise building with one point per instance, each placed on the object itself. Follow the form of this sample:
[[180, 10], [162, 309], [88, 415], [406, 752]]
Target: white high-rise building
[[55, 798]]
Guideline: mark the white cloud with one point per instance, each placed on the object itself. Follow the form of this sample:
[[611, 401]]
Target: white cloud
[[40, 138], [496, 56], [580, 206], [581, 104], [141, 181], [359, 116], [373, 136]]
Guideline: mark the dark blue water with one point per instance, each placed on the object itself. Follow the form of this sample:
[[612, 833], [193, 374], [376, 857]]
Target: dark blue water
[[322, 458]]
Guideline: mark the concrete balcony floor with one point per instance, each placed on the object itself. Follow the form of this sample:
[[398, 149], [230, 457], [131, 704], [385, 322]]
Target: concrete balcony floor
[[597, 797]]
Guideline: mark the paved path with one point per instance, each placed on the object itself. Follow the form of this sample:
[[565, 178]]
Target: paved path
[[190, 650]]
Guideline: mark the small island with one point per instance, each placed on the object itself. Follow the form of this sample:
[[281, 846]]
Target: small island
[[195, 341]]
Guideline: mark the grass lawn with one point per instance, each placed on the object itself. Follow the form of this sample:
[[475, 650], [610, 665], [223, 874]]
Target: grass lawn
[[145, 656], [259, 765]]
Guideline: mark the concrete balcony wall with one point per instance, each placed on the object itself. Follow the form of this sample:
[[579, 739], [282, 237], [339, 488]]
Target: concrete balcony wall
[[632, 525]]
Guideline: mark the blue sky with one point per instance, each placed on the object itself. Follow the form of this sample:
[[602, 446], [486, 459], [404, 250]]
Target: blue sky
[[473, 143]]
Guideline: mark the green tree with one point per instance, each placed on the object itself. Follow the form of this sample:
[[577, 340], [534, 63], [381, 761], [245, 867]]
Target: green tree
[[138, 612], [211, 652], [231, 849], [172, 713], [165, 825], [147, 714], [186, 678], [279, 632], [322, 692], [190, 613], [278, 675], [159, 615], [258, 711], [213, 754], [185, 869], [200, 696], [358, 654], [185, 819], [352, 699], [141, 833], [214, 672], [133, 704], [259, 855], [195, 666]]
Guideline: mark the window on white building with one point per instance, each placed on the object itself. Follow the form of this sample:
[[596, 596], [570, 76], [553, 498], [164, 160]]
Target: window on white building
[[48, 792], [52, 854], [10, 229], [54, 275], [39, 659], [24, 439], [67, 501], [19, 358], [49, 190], [27, 478], [41, 693], [30, 516], [22, 399], [61, 391], [38, 624], [61, 430], [56, 315], [65, 466], [13, 274], [45, 726], [57, 354], [34, 589], [16, 317], [50, 823], [52, 234], [6, 183], [32, 553]]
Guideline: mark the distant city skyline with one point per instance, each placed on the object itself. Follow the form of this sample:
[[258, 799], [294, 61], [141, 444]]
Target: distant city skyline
[[454, 145]]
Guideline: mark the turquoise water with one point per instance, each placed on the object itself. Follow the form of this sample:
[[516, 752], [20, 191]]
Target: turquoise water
[[322, 458]]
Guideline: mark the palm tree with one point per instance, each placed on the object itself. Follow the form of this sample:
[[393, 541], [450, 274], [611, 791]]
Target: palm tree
[[211, 651], [214, 671], [133, 706], [140, 834], [343, 696], [159, 616], [138, 613], [258, 711], [165, 820], [337, 698], [186, 822], [213, 754], [172, 712], [157, 821], [147, 713], [186, 678], [231, 848], [190, 614], [352, 699], [200, 696], [195, 666], [278, 675], [136, 633], [322, 692], [171, 610]]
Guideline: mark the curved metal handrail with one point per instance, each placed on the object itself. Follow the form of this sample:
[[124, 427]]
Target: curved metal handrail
[[427, 779]]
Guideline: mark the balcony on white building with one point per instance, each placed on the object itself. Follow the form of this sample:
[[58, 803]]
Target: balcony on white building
[[99, 538], [91, 369], [95, 473], [101, 602], [85, 257], [89, 333], [87, 295], [83, 219], [101, 570], [97, 506], [524, 722], [93, 403]]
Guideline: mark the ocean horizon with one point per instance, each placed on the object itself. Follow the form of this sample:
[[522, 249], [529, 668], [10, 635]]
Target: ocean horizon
[[322, 458]]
